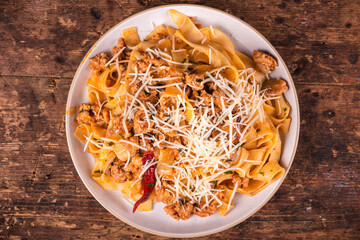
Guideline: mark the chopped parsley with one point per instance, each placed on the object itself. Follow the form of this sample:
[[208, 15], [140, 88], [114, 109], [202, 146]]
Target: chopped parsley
[[109, 67], [198, 80], [146, 93], [111, 143], [229, 172], [285, 109], [159, 58], [183, 202], [81, 110], [215, 183], [159, 84], [99, 171], [228, 160], [262, 173], [95, 139], [258, 130], [126, 65], [121, 135], [145, 40], [184, 60], [150, 184]]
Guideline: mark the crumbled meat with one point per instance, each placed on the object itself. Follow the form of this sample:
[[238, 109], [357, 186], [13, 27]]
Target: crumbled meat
[[158, 36], [175, 73], [264, 62], [207, 98], [144, 61], [98, 62], [163, 194], [245, 182], [88, 114], [144, 95], [135, 166], [179, 211], [218, 95], [119, 45], [166, 103], [171, 133], [194, 81], [211, 86], [202, 211], [141, 125], [118, 173], [241, 182], [116, 125], [275, 87]]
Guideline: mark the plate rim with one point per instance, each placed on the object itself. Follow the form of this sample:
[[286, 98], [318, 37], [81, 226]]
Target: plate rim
[[67, 127]]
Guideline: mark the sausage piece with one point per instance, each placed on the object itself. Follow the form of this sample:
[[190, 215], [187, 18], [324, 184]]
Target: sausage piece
[[264, 62], [275, 87]]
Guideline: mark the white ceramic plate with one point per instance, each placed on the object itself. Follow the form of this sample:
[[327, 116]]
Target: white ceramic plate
[[245, 39]]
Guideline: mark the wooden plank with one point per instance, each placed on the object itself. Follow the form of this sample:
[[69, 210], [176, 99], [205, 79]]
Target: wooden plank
[[41, 195], [316, 46]]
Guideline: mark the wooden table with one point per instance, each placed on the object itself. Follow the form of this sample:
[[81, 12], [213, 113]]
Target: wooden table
[[41, 44]]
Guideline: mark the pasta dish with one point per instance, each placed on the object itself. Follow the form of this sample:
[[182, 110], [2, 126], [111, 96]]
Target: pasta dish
[[183, 118]]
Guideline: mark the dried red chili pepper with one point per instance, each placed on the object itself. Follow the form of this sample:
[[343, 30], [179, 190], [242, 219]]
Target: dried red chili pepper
[[148, 179]]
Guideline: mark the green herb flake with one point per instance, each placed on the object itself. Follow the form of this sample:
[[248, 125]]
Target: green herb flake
[[121, 135], [215, 183], [95, 139], [150, 184], [229, 172], [159, 84], [184, 60], [228, 160], [146, 93], [81, 110], [285, 109], [114, 160], [126, 65], [159, 58], [111, 143], [183, 202], [99, 171], [109, 67], [199, 80], [258, 130], [262, 173]]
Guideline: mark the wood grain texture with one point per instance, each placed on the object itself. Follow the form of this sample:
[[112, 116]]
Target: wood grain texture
[[42, 43]]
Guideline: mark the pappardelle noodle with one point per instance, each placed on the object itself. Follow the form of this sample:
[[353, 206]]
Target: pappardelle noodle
[[206, 116]]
